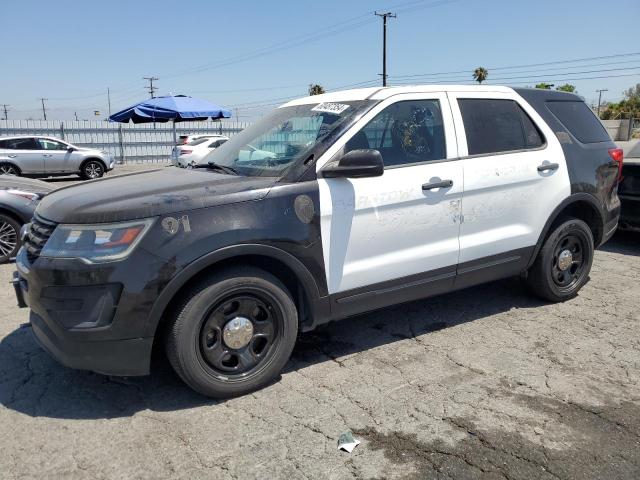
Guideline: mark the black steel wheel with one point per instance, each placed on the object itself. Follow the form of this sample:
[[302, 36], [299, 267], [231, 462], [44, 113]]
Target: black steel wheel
[[233, 332], [563, 264], [92, 169], [9, 238], [239, 333]]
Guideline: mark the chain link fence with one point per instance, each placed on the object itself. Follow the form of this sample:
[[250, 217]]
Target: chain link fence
[[129, 143]]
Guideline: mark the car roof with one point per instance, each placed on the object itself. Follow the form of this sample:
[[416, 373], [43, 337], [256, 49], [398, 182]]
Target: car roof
[[15, 137], [381, 93]]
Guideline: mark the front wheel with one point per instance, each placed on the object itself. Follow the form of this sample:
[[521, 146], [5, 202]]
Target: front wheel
[[92, 169], [563, 264], [233, 332], [9, 238]]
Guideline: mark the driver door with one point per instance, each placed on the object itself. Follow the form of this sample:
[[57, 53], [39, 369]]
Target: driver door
[[395, 235], [57, 159]]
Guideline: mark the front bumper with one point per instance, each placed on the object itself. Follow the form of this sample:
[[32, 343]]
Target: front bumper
[[128, 357], [91, 317]]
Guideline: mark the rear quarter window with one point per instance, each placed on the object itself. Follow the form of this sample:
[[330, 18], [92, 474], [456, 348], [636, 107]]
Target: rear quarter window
[[578, 118]]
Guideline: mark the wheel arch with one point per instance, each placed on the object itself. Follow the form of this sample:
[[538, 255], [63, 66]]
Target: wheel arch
[[579, 205], [288, 269], [97, 159]]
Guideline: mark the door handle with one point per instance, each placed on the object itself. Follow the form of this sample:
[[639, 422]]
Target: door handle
[[47, 154], [545, 167], [12, 156], [434, 185]]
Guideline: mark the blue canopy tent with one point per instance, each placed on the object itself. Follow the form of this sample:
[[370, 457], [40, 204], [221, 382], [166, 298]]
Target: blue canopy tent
[[178, 108]]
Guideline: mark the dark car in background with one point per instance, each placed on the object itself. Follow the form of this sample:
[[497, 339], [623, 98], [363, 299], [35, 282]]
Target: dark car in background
[[18, 200]]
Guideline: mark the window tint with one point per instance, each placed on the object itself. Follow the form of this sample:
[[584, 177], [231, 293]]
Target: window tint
[[494, 126], [46, 144], [405, 132], [21, 144], [198, 141], [580, 121], [216, 143]]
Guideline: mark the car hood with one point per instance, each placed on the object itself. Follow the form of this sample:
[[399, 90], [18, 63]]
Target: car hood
[[10, 182], [148, 194]]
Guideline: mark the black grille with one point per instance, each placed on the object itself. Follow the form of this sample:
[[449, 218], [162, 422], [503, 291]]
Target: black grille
[[37, 235]]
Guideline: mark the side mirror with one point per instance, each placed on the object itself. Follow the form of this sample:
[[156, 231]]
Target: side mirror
[[71, 149], [356, 164]]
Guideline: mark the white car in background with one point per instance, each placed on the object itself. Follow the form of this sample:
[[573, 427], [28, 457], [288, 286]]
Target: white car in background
[[184, 139], [193, 153]]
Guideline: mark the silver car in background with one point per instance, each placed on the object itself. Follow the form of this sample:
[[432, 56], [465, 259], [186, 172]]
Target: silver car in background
[[48, 156]]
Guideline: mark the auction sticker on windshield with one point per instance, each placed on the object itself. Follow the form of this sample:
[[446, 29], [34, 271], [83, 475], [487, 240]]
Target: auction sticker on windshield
[[330, 107]]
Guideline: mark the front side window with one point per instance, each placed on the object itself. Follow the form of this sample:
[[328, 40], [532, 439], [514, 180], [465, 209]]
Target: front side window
[[285, 137], [46, 144], [405, 132], [494, 126]]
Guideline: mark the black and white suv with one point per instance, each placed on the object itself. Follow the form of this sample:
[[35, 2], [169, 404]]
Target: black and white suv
[[331, 206]]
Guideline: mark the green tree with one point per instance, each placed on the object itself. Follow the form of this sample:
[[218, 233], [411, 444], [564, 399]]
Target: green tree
[[544, 86], [629, 107], [480, 74], [316, 89], [567, 87]]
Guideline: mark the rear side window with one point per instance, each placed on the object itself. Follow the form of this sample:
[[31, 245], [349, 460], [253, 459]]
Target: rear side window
[[198, 141], [494, 126], [20, 144], [580, 121]]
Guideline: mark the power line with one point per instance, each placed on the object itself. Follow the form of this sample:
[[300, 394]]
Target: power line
[[521, 66], [152, 89]]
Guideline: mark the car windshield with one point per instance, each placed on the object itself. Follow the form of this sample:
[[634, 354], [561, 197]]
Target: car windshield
[[271, 146]]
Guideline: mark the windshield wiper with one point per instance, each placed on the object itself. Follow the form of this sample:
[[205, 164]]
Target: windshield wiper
[[222, 168]]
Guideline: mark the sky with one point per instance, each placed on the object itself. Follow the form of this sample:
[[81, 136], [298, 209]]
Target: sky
[[252, 55]]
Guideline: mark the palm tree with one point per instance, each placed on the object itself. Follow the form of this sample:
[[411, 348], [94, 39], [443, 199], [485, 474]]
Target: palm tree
[[480, 74], [316, 89]]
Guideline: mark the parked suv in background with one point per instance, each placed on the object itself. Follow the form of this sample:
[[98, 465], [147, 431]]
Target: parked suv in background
[[194, 152], [47, 156], [331, 206]]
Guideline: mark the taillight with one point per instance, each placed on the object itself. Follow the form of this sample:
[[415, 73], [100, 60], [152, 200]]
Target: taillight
[[617, 155], [185, 152]]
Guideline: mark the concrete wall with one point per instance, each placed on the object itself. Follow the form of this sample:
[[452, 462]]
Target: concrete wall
[[618, 129]]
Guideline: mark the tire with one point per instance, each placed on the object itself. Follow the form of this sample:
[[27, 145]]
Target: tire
[[9, 169], [9, 238], [556, 275], [92, 169], [200, 336]]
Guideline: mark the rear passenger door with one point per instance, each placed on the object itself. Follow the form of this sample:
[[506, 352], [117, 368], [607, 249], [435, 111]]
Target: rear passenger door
[[24, 153], [514, 177]]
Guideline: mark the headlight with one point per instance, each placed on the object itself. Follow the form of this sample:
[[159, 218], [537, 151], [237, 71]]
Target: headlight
[[96, 243]]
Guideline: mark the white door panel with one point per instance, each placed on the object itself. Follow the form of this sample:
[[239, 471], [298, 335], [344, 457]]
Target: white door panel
[[385, 228], [507, 201]]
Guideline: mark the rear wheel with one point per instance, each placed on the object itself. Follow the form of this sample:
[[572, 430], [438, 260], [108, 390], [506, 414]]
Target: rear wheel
[[233, 332], [9, 238], [563, 264], [92, 169], [9, 169]]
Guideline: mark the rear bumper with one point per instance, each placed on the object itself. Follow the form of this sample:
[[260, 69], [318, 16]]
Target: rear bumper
[[117, 357]]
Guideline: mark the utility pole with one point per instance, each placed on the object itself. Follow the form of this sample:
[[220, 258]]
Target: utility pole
[[76, 115], [4, 106], [384, 17], [151, 87], [44, 110], [109, 100], [600, 98]]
